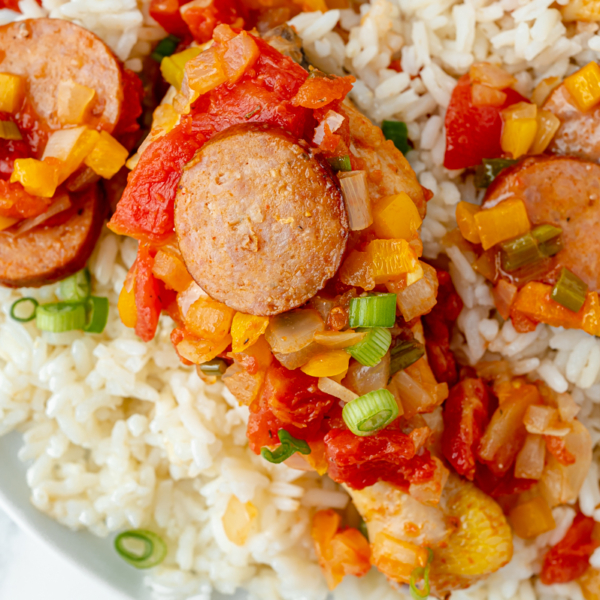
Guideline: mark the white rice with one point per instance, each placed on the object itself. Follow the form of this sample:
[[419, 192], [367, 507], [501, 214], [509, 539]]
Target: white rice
[[118, 434]]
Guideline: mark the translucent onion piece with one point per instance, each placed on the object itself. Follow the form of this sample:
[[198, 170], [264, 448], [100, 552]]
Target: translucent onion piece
[[293, 330], [543, 420], [339, 339], [420, 297], [187, 298], [491, 75], [531, 458], [295, 360], [356, 198], [73, 102], [333, 388], [334, 122], [60, 204], [413, 396], [363, 380], [567, 407]]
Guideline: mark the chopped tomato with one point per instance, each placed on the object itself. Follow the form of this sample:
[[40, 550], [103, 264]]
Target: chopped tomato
[[202, 20], [319, 90], [503, 485], [389, 455], [133, 91], [16, 203], [147, 295], [166, 14], [10, 150], [438, 325], [466, 415], [473, 132], [570, 558]]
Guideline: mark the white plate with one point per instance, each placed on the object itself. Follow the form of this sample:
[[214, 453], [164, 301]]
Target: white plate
[[94, 555]]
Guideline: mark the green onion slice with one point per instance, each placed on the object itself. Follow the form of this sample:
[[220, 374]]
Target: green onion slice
[[165, 47], [141, 548], [421, 573], [489, 169], [289, 445], [76, 288], [22, 313], [520, 252], [377, 310], [369, 413], [97, 314], [549, 239], [217, 367], [60, 317], [372, 348], [362, 527], [404, 354], [397, 131], [570, 291], [340, 163]]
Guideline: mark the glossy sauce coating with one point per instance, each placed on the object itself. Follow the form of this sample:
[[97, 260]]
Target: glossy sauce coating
[[260, 220], [564, 192]]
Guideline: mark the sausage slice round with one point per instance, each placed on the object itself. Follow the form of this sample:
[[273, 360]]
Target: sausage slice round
[[564, 192], [49, 253], [48, 51], [579, 132], [260, 221]]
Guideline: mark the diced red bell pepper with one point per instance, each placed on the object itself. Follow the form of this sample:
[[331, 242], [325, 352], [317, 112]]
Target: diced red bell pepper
[[466, 415], [16, 203], [166, 14], [147, 295], [473, 132], [202, 20], [133, 91], [570, 558], [504, 485]]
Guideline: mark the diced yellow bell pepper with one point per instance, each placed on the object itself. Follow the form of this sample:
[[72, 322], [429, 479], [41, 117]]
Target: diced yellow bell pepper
[[172, 67], [532, 518], [12, 91], [74, 102], [502, 222], [396, 217], [200, 351], [465, 217], [6, 222], [246, 329], [10, 131], [127, 307], [205, 72], [518, 135], [39, 178], [328, 364], [584, 86], [391, 258], [548, 124], [209, 319], [71, 147], [590, 584], [171, 270], [396, 558], [107, 157]]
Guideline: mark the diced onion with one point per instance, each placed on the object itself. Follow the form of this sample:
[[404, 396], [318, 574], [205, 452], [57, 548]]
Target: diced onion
[[333, 388], [294, 360], [74, 102], [141, 548], [372, 348], [293, 330], [362, 380], [543, 420], [567, 407], [334, 122], [531, 458], [420, 297], [187, 298], [377, 310], [491, 75], [339, 339], [356, 198], [60, 204], [370, 413], [414, 397]]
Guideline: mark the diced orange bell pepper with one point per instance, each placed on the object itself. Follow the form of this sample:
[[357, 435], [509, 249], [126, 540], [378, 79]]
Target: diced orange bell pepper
[[532, 518], [246, 329], [548, 124], [590, 584], [465, 218], [396, 558], [39, 178], [126, 305], [319, 90], [6, 222], [239, 55], [171, 271], [491, 75], [484, 95], [396, 217], [209, 319], [317, 458], [391, 258], [107, 156], [584, 86], [519, 128], [502, 222], [357, 270], [205, 72], [12, 92], [198, 351], [327, 364]]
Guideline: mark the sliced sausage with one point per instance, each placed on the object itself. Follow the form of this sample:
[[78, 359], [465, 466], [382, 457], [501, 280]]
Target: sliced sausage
[[48, 51], [55, 251], [564, 192], [579, 133], [260, 220]]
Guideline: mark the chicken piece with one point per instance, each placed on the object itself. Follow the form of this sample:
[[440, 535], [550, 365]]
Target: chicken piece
[[467, 531]]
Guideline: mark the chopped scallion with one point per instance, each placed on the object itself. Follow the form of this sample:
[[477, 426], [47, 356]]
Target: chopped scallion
[[362, 527], [570, 291], [60, 316], [549, 239], [519, 252], [289, 445], [372, 348], [21, 312], [165, 47], [377, 310], [216, 367], [76, 288], [97, 314], [340, 163], [489, 169], [421, 573], [141, 548], [397, 131], [405, 354], [369, 413]]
